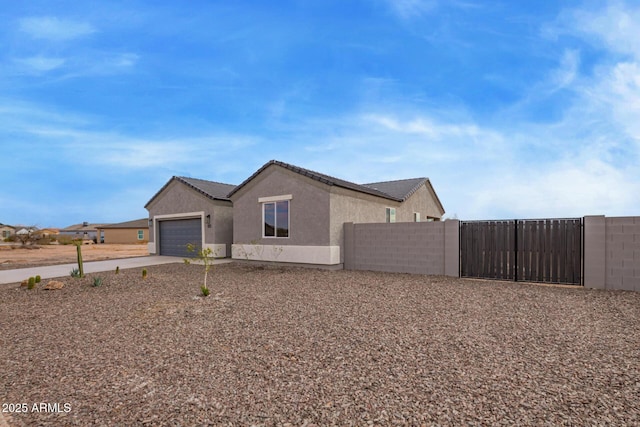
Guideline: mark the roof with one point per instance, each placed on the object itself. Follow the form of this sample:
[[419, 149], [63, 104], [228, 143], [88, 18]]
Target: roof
[[82, 227], [210, 189], [398, 191], [136, 223]]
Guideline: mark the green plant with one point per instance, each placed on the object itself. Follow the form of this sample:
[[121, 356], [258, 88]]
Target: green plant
[[117, 269], [207, 257], [38, 279], [80, 267], [32, 283], [75, 273], [97, 281], [144, 273]]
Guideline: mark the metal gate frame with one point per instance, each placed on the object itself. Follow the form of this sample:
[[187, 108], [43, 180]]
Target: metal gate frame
[[534, 250]]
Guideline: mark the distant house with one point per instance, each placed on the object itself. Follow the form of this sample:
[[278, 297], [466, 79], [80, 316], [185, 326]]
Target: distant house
[[85, 231], [129, 232], [7, 231]]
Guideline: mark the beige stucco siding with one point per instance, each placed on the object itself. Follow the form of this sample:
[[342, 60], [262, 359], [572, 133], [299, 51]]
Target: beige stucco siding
[[308, 209], [422, 201], [124, 235], [351, 206]]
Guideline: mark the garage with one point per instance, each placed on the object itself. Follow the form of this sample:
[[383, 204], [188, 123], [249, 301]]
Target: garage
[[176, 234]]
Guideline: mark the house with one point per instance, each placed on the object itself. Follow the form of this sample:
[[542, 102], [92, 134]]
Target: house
[[131, 232], [286, 213], [86, 232], [7, 231], [188, 210]]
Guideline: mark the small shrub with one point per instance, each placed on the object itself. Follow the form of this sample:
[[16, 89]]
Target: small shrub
[[38, 279], [204, 290], [97, 281], [144, 273], [117, 269], [32, 283], [75, 273]]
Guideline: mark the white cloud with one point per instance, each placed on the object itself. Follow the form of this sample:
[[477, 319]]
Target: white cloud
[[40, 64], [616, 26], [55, 29], [408, 9]]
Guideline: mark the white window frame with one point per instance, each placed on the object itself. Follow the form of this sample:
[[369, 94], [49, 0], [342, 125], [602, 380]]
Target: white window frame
[[390, 215], [416, 217], [274, 199], [140, 234]]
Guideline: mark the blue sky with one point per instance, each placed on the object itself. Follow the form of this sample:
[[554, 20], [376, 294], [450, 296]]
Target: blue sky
[[513, 109]]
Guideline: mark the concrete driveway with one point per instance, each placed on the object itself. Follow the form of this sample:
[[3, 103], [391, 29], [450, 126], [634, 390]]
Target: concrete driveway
[[63, 270]]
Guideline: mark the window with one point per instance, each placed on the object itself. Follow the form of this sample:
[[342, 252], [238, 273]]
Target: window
[[275, 217], [416, 217], [391, 214], [140, 234]]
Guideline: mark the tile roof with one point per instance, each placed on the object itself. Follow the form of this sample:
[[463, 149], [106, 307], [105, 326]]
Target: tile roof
[[400, 189], [211, 189], [136, 223], [393, 190]]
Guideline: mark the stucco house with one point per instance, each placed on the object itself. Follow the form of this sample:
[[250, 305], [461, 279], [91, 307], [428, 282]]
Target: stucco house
[[129, 232], [85, 231], [290, 214], [7, 231], [189, 210]]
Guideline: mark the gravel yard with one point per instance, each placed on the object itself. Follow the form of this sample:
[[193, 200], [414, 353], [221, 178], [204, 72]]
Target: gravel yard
[[284, 346]]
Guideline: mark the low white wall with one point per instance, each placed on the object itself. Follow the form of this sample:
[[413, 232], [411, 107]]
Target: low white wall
[[324, 255]]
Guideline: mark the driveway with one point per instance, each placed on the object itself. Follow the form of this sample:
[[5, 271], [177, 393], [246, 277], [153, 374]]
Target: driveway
[[62, 270]]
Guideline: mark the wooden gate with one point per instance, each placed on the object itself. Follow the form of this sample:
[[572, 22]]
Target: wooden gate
[[545, 250]]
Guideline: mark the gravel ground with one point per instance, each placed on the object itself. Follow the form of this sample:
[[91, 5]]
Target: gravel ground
[[285, 346]]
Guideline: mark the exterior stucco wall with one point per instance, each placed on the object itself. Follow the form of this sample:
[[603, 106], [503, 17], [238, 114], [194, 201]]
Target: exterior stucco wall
[[125, 235], [422, 201], [350, 206], [177, 198], [308, 209]]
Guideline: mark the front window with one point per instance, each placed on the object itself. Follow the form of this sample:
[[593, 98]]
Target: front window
[[140, 234], [276, 219]]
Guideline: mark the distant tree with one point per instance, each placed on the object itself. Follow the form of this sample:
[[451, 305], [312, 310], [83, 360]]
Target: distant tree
[[28, 236]]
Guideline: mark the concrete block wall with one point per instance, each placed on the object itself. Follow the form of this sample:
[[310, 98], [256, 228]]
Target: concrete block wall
[[612, 253], [412, 247]]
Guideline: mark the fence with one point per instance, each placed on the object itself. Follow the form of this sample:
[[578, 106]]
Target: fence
[[546, 250], [611, 251], [410, 247]]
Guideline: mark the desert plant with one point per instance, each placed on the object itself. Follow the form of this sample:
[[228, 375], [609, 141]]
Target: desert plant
[[75, 273], [144, 273], [32, 283], [206, 256], [97, 281], [117, 269], [38, 279], [80, 267]]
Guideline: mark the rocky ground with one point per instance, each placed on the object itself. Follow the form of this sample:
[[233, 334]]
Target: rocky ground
[[15, 256], [283, 346]]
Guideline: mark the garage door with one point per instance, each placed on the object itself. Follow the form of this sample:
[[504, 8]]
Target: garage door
[[176, 234]]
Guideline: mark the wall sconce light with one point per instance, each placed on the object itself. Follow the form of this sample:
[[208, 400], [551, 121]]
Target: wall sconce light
[[208, 221], [150, 222]]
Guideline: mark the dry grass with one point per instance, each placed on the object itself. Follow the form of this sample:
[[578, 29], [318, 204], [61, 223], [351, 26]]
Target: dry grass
[[310, 347]]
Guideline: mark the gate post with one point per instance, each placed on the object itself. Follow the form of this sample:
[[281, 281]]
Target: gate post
[[595, 252], [452, 248], [349, 246]]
